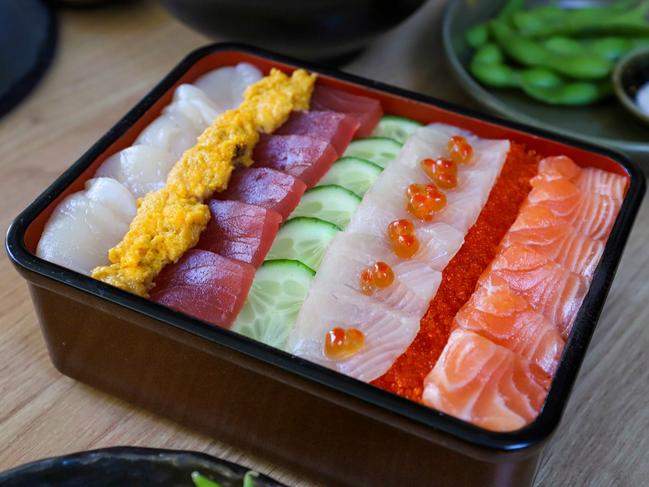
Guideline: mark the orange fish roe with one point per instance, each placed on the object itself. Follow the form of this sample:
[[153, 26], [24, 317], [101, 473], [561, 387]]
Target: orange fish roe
[[406, 376]]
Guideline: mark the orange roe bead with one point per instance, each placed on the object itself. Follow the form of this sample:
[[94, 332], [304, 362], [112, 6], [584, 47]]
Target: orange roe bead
[[460, 149], [383, 275], [442, 171], [405, 246], [400, 227], [366, 282], [424, 200], [406, 375], [341, 343]]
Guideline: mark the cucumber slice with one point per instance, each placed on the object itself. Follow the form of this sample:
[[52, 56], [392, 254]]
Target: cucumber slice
[[330, 203], [397, 128], [379, 150], [274, 300], [304, 239], [352, 173]]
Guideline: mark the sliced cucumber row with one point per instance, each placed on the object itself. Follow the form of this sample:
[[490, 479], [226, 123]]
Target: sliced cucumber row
[[274, 301], [330, 203], [397, 128], [304, 239], [379, 150], [352, 173]]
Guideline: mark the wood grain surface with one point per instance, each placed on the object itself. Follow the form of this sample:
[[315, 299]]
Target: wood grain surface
[[107, 59]]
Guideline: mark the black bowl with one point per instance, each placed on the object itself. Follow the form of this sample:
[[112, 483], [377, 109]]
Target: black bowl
[[313, 29], [128, 466], [630, 74]]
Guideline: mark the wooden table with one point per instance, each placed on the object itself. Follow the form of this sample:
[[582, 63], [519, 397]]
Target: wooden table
[[107, 59]]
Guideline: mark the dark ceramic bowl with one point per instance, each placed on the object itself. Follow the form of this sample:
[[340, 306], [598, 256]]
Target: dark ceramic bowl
[[128, 466], [630, 74], [312, 29]]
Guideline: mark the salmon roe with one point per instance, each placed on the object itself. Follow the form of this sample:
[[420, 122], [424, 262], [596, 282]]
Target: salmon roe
[[402, 237], [459, 278], [341, 343], [441, 171], [460, 149], [424, 200], [379, 275]]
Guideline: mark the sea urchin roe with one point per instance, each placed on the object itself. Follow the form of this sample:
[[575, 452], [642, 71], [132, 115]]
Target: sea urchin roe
[[459, 278], [169, 221], [402, 237], [342, 343], [379, 275], [441, 171], [460, 149], [424, 200]]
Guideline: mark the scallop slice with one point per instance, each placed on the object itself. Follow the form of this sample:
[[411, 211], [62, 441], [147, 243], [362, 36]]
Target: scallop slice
[[140, 168], [86, 224], [194, 105], [171, 132], [225, 86]]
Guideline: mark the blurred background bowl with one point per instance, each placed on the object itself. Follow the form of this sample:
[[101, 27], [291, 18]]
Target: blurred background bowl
[[309, 29]]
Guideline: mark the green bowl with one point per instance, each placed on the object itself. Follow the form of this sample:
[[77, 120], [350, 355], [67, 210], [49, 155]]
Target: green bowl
[[606, 123]]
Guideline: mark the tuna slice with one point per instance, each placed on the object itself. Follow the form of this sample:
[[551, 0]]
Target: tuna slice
[[240, 231], [333, 127], [300, 156], [266, 188], [205, 285], [484, 383], [366, 110]]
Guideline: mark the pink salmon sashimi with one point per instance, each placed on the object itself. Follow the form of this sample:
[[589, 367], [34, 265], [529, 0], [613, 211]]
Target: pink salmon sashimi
[[336, 128], [205, 285], [550, 289], [538, 228], [240, 231], [590, 180], [300, 156], [265, 187], [591, 214], [366, 110], [497, 313], [484, 383]]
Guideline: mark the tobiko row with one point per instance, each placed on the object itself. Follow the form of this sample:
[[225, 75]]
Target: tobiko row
[[433, 263]]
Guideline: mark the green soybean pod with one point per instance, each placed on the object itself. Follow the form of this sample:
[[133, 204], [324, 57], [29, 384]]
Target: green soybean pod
[[477, 36], [565, 46], [489, 54], [569, 94], [496, 75], [541, 78]]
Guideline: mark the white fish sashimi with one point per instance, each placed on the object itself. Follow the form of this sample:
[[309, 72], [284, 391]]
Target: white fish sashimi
[[141, 168], [386, 333], [86, 224], [225, 86]]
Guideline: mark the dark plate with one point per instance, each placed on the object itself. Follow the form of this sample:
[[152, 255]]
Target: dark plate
[[128, 466], [606, 123]]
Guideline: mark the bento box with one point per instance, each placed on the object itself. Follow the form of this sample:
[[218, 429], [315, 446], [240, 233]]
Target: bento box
[[329, 427]]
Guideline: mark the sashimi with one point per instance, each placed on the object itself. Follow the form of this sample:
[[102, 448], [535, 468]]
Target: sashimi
[[538, 228], [495, 312], [225, 86], [205, 285], [484, 383], [590, 213], [265, 187], [86, 224], [194, 105], [551, 289], [240, 231], [301, 156], [171, 132], [333, 127], [366, 110]]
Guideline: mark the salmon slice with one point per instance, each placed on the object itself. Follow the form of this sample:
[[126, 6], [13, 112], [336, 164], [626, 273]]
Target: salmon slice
[[590, 213], [497, 313], [265, 187], [550, 289], [336, 128], [300, 156], [240, 231], [484, 383], [367, 111], [538, 228], [205, 285], [558, 167]]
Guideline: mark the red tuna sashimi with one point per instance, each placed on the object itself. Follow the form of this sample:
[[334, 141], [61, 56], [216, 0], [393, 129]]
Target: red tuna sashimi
[[366, 110], [240, 231], [265, 187], [301, 156], [205, 285], [336, 128]]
